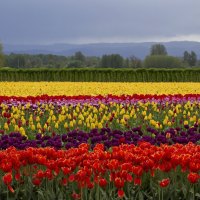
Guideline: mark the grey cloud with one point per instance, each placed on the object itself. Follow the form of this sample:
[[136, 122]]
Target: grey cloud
[[51, 21]]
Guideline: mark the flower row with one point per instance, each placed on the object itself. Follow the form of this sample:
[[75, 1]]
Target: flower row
[[104, 136], [126, 171], [63, 99], [62, 114], [95, 88]]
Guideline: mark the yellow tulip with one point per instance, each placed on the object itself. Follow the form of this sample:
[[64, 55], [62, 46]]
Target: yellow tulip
[[152, 122], [53, 118], [45, 126], [51, 112], [100, 126], [16, 128], [56, 125], [79, 122], [71, 124], [165, 121], [5, 126], [32, 127], [37, 119], [92, 125], [65, 125], [39, 125], [169, 123]]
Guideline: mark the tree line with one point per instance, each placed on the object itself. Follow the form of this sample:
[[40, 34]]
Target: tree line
[[157, 58]]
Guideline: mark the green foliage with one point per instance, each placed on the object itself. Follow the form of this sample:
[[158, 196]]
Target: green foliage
[[75, 64], [79, 56], [161, 61], [50, 61], [158, 49], [21, 61], [101, 75], [113, 60], [190, 58], [179, 188], [135, 62], [40, 60]]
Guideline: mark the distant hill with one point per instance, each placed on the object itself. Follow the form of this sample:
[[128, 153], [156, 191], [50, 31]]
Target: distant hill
[[139, 50]]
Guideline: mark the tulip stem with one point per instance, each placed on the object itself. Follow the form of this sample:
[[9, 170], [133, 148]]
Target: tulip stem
[[159, 192], [82, 194], [97, 197]]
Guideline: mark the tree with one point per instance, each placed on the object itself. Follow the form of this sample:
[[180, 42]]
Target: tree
[[1, 56], [193, 58], [160, 61], [39, 60], [186, 56], [79, 56], [158, 49], [113, 60], [190, 58], [16, 60], [75, 64], [92, 61], [135, 62]]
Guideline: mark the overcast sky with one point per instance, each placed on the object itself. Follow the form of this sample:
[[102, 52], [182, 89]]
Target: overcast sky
[[93, 21]]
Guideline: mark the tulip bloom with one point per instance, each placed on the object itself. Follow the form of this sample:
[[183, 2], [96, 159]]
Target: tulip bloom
[[7, 179], [193, 177], [120, 193], [164, 182]]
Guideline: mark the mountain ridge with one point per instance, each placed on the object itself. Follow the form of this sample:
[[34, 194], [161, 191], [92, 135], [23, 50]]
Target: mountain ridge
[[138, 49]]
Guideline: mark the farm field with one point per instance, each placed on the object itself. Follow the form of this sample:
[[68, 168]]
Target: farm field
[[96, 88], [99, 100], [64, 140]]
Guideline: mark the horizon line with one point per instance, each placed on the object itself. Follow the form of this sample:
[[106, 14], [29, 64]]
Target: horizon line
[[90, 43]]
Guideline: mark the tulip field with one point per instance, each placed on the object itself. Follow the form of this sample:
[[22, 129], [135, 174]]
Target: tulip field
[[99, 141]]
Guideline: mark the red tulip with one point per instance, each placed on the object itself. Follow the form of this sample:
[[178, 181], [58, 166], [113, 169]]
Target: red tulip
[[71, 178], [129, 178], [17, 176], [36, 181], [76, 196], [63, 181], [193, 177], [102, 182], [119, 183], [137, 181], [7, 179], [120, 193], [164, 182], [11, 188]]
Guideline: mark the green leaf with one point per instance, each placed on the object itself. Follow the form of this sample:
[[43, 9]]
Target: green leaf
[[184, 190], [147, 195], [141, 197], [197, 195], [41, 195]]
